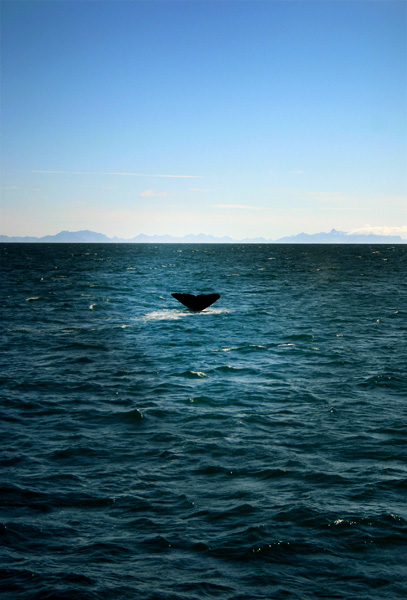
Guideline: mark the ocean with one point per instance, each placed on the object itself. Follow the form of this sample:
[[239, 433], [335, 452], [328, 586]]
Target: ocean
[[255, 450]]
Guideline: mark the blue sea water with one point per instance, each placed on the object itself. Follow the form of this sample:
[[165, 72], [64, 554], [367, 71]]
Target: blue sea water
[[256, 450]]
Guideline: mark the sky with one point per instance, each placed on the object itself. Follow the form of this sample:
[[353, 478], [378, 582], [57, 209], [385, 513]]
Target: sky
[[239, 118]]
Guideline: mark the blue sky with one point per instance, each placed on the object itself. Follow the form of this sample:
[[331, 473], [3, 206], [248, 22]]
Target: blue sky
[[237, 118]]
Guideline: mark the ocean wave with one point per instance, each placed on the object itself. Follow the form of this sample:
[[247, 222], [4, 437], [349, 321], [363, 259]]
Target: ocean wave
[[153, 452]]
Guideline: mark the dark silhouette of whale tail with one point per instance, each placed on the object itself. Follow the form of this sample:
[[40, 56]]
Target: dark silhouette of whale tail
[[196, 302]]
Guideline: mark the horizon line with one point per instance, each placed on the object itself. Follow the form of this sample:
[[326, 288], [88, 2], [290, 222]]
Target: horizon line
[[332, 232]]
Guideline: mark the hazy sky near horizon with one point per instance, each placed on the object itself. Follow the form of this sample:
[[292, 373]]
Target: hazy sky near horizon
[[240, 118]]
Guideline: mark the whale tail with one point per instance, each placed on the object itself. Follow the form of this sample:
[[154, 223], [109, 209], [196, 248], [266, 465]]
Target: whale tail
[[196, 302]]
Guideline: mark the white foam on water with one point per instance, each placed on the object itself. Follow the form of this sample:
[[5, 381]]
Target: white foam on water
[[199, 373], [213, 311], [165, 314], [175, 314]]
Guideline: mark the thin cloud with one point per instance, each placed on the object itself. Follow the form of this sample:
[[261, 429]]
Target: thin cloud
[[153, 194], [284, 172], [381, 230], [117, 173], [239, 206], [18, 187], [326, 195]]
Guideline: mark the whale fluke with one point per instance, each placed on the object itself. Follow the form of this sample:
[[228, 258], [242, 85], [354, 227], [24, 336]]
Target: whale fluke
[[196, 302]]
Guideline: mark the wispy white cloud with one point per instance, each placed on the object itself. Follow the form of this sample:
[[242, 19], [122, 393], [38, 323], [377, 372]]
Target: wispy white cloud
[[240, 206], [153, 194], [355, 201], [326, 196], [286, 172], [117, 173], [381, 230], [18, 187]]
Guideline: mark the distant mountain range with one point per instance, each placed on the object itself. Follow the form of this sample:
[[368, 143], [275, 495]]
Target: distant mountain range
[[86, 236], [341, 237]]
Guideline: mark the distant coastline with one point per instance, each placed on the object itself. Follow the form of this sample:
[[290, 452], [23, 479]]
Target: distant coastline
[[92, 237]]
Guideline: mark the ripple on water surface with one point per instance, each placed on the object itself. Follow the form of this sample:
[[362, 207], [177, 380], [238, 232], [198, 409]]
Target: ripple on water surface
[[254, 450]]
